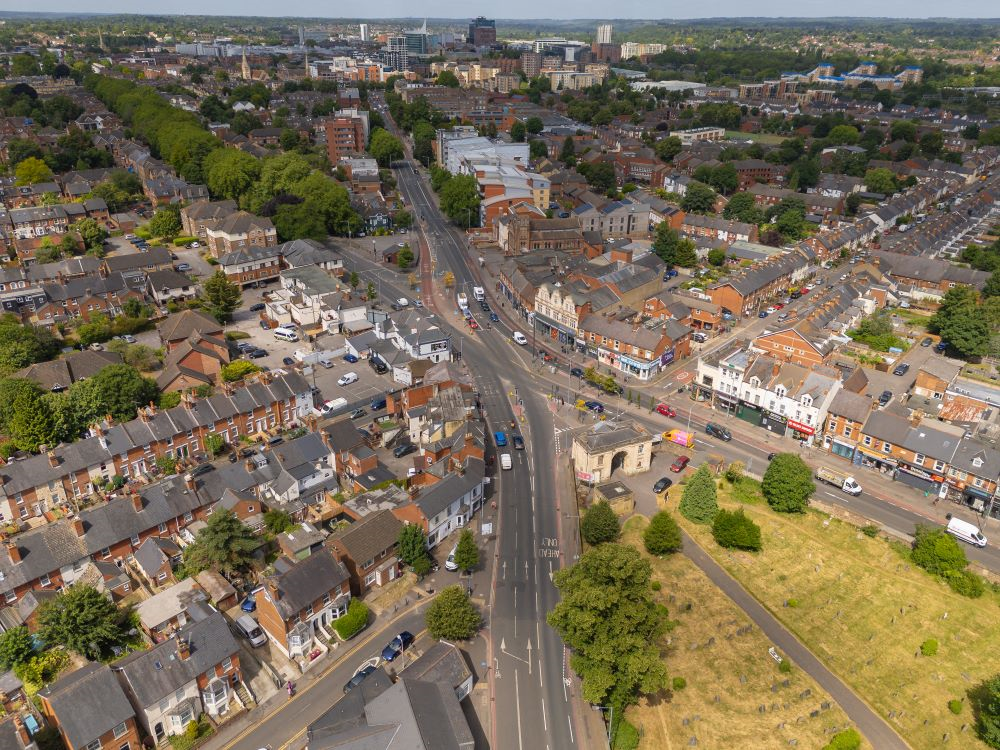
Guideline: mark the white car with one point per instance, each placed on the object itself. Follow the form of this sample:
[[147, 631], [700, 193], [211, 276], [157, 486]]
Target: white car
[[195, 244], [449, 563], [520, 338], [403, 302], [127, 338], [347, 378], [772, 310]]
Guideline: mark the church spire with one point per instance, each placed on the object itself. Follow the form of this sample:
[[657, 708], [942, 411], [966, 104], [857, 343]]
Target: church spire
[[245, 66]]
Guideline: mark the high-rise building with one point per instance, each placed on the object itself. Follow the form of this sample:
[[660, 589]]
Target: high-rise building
[[417, 40], [531, 63], [365, 34], [345, 135], [302, 37], [604, 33], [482, 32]]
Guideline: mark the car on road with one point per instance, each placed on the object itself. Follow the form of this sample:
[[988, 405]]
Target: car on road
[[494, 317], [772, 310], [287, 361], [449, 562], [770, 456], [778, 305], [518, 441], [181, 267], [576, 372], [901, 369], [665, 410], [783, 316], [762, 314], [500, 438], [547, 356], [885, 398], [257, 307], [257, 353], [520, 338], [927, 341], [350, 358], [662, 484], [473, 324], [595, 406], [347, 378], [359, 677], [484, 306], [358, 413], [397, 645], [404, 449], [716, 430], [127, 338], [680, 463]]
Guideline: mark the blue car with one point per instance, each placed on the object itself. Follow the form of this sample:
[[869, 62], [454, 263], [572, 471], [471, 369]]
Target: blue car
[[500, 438], [494, 317], [595, 406], [249, 604], [397, 645], [763, 314], [350, 358]]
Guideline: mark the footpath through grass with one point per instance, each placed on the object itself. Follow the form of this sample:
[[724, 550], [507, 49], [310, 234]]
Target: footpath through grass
[[864, 610], [729, 676]]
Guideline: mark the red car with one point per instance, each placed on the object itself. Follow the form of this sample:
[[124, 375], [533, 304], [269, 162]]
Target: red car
[[778, 306], [473, 325], [679, 464], [665, 410]]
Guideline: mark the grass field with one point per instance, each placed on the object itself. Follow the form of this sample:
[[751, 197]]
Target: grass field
[[727, 681], [766, 139], [864, 610]]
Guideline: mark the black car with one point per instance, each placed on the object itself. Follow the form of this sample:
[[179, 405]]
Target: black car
[[484, 306], [718, 431], [403, 450], [663, 483], [927, 341], [287, 361], [885, 398], [518, 441], [901, 369], [257, 307], [359, 677], [770, 456], [197, 471], [257, 353], [576, 372]]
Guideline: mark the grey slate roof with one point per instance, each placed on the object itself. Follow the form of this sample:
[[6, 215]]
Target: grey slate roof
[[88, 703], [369, 537], [306, 581], [439, 496], [852, 405], [157, 673]]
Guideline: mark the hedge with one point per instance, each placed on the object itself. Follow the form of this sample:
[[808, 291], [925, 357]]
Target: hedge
[[354, 621]]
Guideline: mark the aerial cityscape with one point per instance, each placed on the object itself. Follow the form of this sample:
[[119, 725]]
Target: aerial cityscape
[[481, 383]]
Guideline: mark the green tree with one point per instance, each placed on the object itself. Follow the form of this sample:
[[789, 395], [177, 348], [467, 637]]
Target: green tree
[[743, 207], [787, 484], [447, 78], [466, 552], [31, 422], [21, 345], [229, 172], [85, 621], [225, 545], [567, 155], [16, 647], [667, 148], [725, 179], [412, 543], [117, 390], [843, 134], [960, 322], [403, 219], [699, 198], [277, 521], [518, 132], [880, 180], [673, 249], [734, 530], [215, 444], [985, 702], [698, 503], [404, 259], [534, 125], [663, 535], [848, 739], [599, 524], [717, 257], [537, 149], [460, 200], [31, 171], [992, 286], [220, 296], [452, 616], [92, 233], [600, 176], [932, 144], [903, 130], [166, 222], [297, 222], [237, 370], [608, 619], [937, 552], [384, 147]]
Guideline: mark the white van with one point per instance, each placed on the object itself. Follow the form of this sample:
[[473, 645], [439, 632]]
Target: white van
[[505, 463], [520, 338], [967, 532], [284, 334], [248, 628], [479, 293]]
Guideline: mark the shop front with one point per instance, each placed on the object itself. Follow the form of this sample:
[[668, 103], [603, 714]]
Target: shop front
[[555, 330], [918, 478], [871, 460], [749, 413], [642, 369], [725, 402], [801, 431], [776, 423], [977, 499], [837, 448]]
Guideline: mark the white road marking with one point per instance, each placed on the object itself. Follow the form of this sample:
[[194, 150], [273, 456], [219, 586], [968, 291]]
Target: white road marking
[[570, 722], [545, 723], [517, 701]]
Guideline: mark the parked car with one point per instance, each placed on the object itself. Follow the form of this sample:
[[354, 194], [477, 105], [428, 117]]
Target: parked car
[[403, 450], [449, 563], [359, 677], [347, 378], [941, 346], [127, 338], [249, 604], [397, 645], [576, 372], [350, 358], [663, 483], [885, 398], [287, 361], [245, 346], [680, 463], [248, 628], [927, 341], [257, 307], [665, 410], [182, 267], [901, 369], [762, 314], [257, 353], [772, 310], [718, 431], [358, 413], [595, 406]]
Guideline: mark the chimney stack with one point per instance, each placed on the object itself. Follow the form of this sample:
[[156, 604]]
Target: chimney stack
[[189, 482], [78, 526], [137, 502], [325, 437], [53, 459], [248, 464], [14, 551], [183, 649]]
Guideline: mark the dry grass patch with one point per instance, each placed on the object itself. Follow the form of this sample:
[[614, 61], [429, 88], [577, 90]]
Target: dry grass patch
[[864, 610], [723, 658]]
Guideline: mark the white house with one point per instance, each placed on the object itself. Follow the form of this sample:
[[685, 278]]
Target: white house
[[449, 504]]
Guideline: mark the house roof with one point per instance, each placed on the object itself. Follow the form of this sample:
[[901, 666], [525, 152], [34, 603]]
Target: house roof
[[88, 703], [169, 603], [58, 374], [369, 537], [181, 325], [440, 495], [307, 581]]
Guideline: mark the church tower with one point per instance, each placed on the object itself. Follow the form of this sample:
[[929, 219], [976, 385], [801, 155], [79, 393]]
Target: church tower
[[245, 68]]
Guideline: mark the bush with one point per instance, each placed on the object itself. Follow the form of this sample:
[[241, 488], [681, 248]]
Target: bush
[[237, 335], [626, 737], [191, 731], [929, 647], [965, 583], [793, 603], [936, 551], [354, 621], [679, 683], [734, 472], [663, 535], [599, 524], [733, 530], [955, 706], [849, 739], [871, 530], [698, 503], [787, 484], [656, 585], [238, 370], [184, 241], [785, 667]]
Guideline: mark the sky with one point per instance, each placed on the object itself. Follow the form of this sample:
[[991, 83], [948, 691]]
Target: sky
[[527, 9]]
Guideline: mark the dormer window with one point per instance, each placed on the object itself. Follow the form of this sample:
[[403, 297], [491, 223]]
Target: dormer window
[[977, 462], [755, 382], [780, 391], [807, 401]]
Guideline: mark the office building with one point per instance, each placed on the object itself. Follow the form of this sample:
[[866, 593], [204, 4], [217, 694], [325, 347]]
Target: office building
[[531, 63], [604, 33], [365, 33], [482, 32]]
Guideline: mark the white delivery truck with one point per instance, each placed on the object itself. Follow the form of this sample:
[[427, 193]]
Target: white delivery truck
[[967, 532], [838, 479], [479, 293], [463, 301]]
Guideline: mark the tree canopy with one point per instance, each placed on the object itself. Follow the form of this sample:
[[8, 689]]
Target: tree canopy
[[698, 502], [460, 200], [85, 621], [699, 198], [599, 524], [220, 296], [452, 615], [225, 545], [787, 484], [663, 535]]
